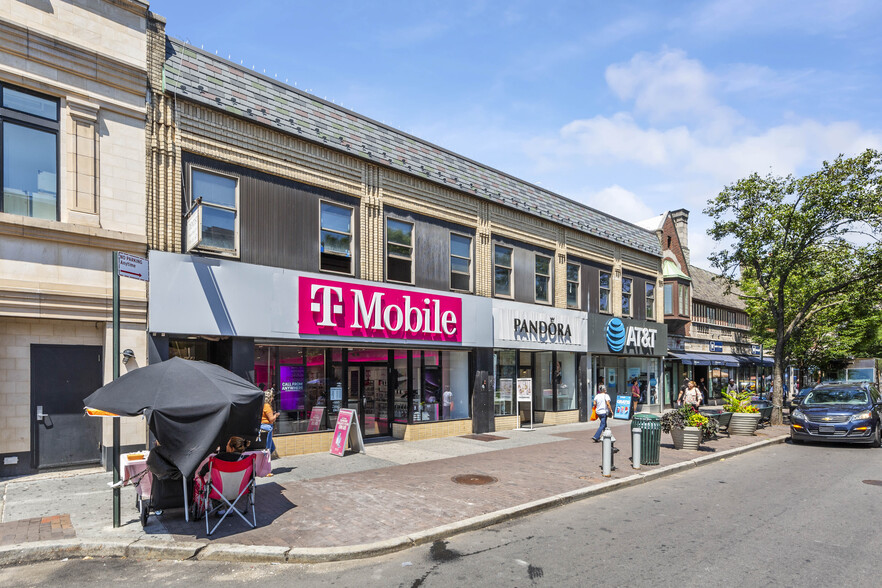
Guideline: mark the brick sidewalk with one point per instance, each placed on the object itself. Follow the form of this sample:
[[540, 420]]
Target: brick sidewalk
[[37, 529], [379, 504]]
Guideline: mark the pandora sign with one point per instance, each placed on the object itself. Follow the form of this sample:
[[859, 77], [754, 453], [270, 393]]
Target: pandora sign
[[355, 310]]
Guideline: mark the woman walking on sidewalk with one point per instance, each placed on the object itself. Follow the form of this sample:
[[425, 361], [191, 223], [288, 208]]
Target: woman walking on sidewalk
[[602, 408]]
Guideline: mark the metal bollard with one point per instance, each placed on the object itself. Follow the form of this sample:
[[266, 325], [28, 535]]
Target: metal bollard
[[635, 448], [608, 465]]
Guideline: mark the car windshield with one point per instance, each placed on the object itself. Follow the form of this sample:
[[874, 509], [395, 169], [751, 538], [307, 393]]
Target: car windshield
[[834, 396]]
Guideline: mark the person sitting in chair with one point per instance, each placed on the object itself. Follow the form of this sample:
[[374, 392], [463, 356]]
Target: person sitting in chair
[[234, 450]]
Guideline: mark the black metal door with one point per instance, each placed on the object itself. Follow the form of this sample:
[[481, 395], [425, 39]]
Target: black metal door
[[61, 377]]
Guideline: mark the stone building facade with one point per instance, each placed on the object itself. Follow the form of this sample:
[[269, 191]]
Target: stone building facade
[[73, 84], [228, 292], [708, 326]]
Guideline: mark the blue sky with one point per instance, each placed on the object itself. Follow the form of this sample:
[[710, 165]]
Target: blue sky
[[633, 108]]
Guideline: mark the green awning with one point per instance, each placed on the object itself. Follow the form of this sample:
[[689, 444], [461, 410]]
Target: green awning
[[670, 270]]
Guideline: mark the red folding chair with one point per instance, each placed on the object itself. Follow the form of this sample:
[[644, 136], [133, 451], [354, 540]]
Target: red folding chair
[[229, 482]]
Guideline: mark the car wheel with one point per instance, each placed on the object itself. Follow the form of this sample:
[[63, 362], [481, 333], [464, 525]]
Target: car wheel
[[877, 440], [794, 440]]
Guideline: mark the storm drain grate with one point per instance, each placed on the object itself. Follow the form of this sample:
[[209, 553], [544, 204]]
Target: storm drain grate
[[474, 479], [484, 437], [873, 482]]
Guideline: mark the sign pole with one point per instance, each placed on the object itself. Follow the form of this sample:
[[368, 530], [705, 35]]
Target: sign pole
[[115, 361]]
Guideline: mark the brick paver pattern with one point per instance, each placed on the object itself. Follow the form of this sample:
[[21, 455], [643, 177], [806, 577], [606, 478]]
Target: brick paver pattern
[[368, 506], [37, 529]]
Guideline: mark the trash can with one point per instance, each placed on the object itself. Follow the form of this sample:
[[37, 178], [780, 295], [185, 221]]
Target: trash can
[[650, 437]]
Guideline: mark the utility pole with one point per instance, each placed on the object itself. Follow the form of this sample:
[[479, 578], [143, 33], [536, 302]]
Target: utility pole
[[115, 360]]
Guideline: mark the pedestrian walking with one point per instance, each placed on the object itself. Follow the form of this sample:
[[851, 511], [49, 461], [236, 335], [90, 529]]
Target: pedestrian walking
[[692, 395], [602, 407], [702, 387], [683, 389], [635, 396]]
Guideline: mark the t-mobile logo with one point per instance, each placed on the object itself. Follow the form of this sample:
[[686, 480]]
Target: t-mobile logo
[[330, 304]]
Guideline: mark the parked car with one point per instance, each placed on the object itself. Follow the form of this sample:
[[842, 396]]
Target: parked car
[[846, 413]]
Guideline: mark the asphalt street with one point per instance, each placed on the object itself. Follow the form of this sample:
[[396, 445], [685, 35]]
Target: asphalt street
[[781, 516]]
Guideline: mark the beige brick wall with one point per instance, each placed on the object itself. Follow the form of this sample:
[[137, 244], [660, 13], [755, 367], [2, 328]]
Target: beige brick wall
[[434, 430], [506, 423], [16, 337]]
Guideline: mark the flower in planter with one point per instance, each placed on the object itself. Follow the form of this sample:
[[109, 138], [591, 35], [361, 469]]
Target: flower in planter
[[738, 402], [688, 416]]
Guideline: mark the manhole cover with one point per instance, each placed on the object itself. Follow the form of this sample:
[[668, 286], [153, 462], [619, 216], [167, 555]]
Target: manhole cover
[[474, 479], [873, 482]]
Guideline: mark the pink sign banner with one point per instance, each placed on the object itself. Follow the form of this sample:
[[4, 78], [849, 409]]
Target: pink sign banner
[[341, 431], [341, 309], [315, 418]]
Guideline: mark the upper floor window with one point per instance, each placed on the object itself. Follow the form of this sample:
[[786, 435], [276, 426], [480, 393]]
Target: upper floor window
[[30, 154], [460, 262], [669, 298], [626, 296], [650, 301], [217, 198], [684, 300], [399, 251], [502, 269], [336, 245], [573, 285], [543, 279], [603, 298]]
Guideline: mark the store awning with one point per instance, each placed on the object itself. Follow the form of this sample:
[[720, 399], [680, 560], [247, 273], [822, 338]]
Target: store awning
[[689, 358], [705, 358], [723, 359], [755, 360]]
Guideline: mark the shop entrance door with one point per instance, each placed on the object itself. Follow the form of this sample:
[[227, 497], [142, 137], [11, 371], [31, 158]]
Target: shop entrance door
[[369, 395]]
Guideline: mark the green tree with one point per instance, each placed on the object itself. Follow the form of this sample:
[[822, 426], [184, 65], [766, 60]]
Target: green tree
[[800, 246]]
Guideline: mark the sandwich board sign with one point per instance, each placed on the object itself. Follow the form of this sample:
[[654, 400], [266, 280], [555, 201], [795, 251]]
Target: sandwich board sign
[[347, 429]]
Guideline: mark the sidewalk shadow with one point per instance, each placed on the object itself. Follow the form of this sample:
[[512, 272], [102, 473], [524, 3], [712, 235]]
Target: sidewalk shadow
[[270, 504]]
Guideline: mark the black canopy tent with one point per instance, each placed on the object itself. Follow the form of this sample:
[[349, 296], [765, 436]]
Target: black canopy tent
[[190, 406]]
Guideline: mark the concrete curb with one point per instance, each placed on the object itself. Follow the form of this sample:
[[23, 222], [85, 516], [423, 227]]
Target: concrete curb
[[45, 551]]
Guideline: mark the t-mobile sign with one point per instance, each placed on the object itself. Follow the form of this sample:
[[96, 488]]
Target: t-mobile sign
[[354, 310]]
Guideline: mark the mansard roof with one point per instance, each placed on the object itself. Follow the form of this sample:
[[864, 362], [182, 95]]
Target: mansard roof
[[710, 288], [213, 81]]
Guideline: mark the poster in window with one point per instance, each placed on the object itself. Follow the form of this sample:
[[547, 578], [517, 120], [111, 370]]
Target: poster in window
[[505, 389], [291, 395]]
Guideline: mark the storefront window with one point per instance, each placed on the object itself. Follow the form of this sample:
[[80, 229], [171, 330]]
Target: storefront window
[[195, 349], [620, 374], [543, 383], [455, 384], [399, 384], [565, 377], [504, 399]]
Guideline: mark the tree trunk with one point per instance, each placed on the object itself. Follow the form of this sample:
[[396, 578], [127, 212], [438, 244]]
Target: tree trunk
[[778, 386]]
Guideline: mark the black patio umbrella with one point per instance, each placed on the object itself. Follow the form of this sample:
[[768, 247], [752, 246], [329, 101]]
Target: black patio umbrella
[[191, 407]]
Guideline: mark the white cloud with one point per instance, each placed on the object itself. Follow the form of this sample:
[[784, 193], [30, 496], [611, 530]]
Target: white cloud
[[619, 202], [668, 86], [712, 142]]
